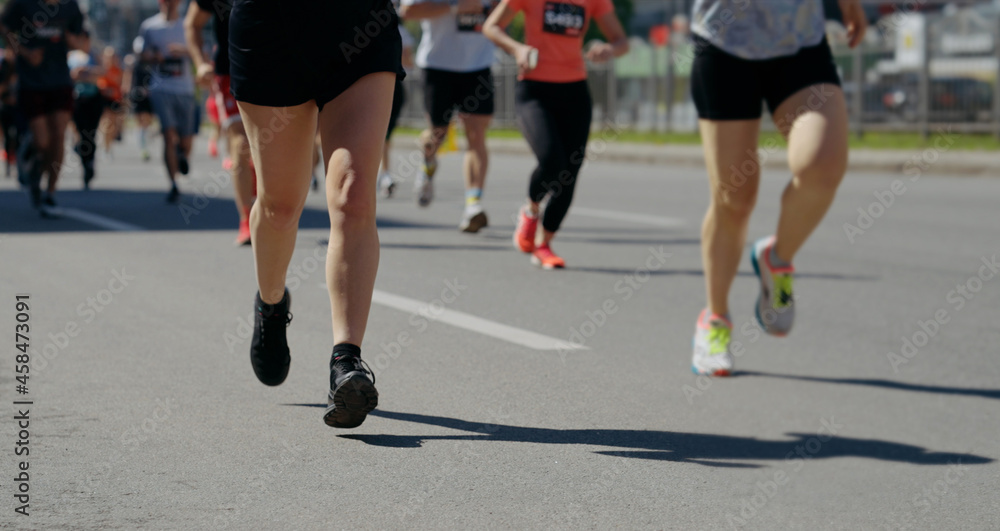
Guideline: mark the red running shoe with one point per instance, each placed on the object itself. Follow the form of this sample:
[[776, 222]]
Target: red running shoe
[[546, 259], [524, 234]]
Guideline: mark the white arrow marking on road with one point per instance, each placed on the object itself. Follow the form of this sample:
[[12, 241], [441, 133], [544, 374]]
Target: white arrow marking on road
[[476, 324], [642, 219], [95, 219]]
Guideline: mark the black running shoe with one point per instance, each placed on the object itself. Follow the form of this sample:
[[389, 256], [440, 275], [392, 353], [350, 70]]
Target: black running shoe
[[174, 195], [269, 349], [352, 393], [88, 174], [49, 201]]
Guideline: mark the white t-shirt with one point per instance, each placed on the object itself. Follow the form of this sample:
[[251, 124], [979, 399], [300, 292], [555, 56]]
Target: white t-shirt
[[759, 29], [454, 42]]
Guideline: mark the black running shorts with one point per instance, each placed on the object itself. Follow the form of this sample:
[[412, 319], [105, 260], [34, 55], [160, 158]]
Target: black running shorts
[[290, 52], [469, 92], [726, 87]]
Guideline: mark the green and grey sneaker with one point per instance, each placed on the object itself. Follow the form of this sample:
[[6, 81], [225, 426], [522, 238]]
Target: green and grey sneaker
[[775, 309], [711, 345]]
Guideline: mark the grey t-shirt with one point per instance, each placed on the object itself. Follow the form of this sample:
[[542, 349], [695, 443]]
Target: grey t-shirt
[[173, 75], [454, 43], [759, 29]]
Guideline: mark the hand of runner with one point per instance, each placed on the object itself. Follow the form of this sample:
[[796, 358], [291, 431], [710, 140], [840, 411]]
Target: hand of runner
[[854, 20], [34, 56], [470, 6], [600, 52], [206, 74], [523, 58]]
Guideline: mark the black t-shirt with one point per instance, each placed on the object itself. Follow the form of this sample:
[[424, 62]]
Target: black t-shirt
[[42, 24], [220, 10]]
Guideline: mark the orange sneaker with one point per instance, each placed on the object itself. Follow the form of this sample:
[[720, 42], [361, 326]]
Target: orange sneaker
[[546, 259], [243, 236], [213, 148], [524, 234], [227, 164]]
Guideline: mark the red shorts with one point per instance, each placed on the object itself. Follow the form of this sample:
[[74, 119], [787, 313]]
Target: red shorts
[[35, 103], [225, 103]]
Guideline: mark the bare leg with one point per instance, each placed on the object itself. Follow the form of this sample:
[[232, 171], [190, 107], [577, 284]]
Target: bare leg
[[431, 140], [385, 155], [170, 141], [239, 152], [733, 178], [353, 130], [282, 161], [817, 156], [476, 157], [57, 123]]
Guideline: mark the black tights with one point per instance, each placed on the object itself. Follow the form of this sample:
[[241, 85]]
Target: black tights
[[555, 119]]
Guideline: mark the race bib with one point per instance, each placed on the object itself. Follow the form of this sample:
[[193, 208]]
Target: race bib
[[473, 21], [564, 19], [172, 67]]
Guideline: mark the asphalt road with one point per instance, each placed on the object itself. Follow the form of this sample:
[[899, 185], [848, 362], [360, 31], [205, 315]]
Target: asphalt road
[[510, 397]]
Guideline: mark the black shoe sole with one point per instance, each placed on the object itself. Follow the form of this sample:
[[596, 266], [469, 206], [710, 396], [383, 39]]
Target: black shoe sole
[[350, 405], [272, 379]]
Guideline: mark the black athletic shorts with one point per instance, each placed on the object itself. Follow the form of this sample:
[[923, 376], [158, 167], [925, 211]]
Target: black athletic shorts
[[726, 87], [294, 51], [469, 92], [398, 99], [141, 104]]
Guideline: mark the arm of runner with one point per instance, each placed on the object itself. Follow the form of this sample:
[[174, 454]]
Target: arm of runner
[[417, 10], [615, 33], [494, 30], [854, 20], [74, 31], [194, 24]]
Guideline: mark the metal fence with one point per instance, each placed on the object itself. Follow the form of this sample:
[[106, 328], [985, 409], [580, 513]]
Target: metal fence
[[915, 72]]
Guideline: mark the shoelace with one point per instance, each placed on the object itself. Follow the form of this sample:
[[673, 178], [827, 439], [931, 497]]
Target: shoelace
[[271, 322], [718, 340], [782, 291], [349, 363]]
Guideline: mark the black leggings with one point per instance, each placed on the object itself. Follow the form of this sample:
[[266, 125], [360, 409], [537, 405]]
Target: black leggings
[[87, 117], [555, 120]]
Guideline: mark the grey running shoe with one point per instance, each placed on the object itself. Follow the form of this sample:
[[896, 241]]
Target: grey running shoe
[[423, 188], [775, 309]]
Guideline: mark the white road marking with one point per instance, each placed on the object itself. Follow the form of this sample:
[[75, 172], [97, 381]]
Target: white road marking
[[642, 219], [475, 324], [94, 219]]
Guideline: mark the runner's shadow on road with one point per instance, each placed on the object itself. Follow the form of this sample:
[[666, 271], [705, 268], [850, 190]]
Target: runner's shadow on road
[[135, 209], [697, 448], [147, 210], [885, 384], [619, 271]]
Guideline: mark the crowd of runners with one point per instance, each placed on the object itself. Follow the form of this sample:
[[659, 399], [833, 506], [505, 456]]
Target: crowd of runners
[[342, 104]]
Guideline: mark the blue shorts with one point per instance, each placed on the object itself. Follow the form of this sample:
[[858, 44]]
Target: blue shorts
[[175, 111]]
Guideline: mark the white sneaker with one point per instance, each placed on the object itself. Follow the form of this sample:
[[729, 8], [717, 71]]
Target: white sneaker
[[473, 219], [386, 185], [711, 346], [423, 188]]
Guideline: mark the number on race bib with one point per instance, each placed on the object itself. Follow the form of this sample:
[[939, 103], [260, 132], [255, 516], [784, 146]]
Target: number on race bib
[[564, 19]]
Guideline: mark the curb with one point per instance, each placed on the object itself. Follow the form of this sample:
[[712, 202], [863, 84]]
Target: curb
[[916, 162]]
